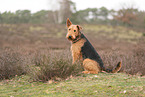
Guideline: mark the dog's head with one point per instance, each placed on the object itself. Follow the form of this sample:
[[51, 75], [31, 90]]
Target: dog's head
[[73, 31]]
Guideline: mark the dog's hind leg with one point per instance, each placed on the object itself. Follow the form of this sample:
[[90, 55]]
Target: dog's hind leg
[[90, 66]]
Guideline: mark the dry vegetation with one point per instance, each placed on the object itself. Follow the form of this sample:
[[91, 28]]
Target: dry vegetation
[[42, 51]]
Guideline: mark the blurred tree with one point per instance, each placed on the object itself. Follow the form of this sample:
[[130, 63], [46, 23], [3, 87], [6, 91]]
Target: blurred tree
[[126, 15], [23, 16], [92, 15], [7, 17], [129, 16], [80, 16], [103, 14], [63, 11], [0, 18], [139, 22], [40, 17]]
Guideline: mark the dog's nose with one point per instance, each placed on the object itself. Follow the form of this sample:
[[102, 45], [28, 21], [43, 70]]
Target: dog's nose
[[70, 37]]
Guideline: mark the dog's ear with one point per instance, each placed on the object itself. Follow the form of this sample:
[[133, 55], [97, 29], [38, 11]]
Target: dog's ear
[[68, 22], [79, 27]]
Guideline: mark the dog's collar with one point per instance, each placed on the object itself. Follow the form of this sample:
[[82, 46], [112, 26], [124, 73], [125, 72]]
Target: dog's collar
[[79, 37]]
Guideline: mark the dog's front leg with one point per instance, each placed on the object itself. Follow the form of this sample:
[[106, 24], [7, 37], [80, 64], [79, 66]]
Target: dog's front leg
[[76, 57]]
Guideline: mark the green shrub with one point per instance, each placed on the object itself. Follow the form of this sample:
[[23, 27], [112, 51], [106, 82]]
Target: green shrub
[[12, 62], [53, 66], [135, 63], [132, 63]]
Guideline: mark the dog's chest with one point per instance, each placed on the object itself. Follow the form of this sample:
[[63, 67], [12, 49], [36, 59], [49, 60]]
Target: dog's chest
[[76, 47]]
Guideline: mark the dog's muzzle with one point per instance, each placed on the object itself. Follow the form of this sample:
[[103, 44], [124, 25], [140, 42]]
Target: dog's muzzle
[[69, 37]]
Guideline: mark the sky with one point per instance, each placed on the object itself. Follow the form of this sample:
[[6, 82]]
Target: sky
[[37, 5]]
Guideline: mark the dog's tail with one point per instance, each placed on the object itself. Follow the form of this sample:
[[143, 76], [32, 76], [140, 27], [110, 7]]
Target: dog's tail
[[116, 69]]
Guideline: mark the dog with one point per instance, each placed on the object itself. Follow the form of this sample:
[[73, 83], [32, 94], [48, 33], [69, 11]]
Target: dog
[[83, 51]]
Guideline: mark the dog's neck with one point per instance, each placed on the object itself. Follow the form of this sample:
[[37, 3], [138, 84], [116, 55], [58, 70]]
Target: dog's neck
[[79, 37]]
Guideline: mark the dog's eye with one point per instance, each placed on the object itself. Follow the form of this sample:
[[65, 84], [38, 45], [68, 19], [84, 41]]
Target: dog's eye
[[74, 30], [69, 29]]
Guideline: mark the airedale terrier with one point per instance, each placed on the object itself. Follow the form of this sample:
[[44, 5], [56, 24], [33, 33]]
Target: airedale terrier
[[83, 51]]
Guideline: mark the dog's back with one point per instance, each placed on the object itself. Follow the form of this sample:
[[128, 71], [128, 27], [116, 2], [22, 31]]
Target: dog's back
[[88, 51]]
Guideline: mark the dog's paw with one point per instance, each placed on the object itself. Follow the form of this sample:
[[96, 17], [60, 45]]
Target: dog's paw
[[86, 72]]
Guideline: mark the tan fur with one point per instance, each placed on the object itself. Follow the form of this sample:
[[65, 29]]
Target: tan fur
[[76, 50], [71, 31], [90, 66]]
